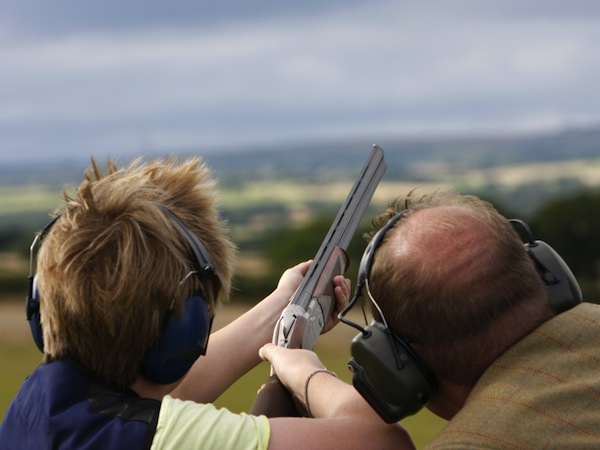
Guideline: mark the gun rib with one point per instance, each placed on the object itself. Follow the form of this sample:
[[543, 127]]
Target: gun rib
[[351, 212]]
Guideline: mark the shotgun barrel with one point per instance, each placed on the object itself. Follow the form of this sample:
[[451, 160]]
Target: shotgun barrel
[[302, 321]]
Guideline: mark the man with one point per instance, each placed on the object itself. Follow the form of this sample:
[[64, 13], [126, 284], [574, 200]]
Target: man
[[493, 349], [128, 278]]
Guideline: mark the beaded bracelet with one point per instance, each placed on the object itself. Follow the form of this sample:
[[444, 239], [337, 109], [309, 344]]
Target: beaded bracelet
[[308, 377]]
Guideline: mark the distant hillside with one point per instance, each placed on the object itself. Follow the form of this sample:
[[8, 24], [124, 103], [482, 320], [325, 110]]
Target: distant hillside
[[340, 160], [343, 159]]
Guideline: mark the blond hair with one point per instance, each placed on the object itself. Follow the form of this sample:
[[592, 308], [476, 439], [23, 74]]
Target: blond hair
[[112, 265]]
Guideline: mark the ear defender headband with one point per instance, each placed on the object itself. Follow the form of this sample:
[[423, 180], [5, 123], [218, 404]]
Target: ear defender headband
[[183, 340], [385, 369], [387, 372]]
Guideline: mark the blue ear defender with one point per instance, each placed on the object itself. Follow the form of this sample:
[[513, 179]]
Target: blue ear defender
[[32, 302], [32, 311], [183, 341], [184, 338]]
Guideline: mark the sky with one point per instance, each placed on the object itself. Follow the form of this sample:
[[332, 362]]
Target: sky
[[83, 78]]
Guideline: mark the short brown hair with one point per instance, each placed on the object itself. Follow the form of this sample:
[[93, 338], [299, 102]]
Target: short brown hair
[[453, 278], [110, 268]]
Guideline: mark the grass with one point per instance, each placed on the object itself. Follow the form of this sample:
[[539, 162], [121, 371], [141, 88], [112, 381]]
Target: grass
[[30, 198], [18, 361]]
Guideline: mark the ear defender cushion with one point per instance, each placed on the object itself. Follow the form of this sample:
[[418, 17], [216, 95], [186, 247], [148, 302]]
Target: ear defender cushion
[[565, 292], [183, 341], [32, 311], [388, 374]]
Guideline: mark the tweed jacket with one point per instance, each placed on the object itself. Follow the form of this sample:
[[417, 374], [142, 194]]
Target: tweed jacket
[[544, 392]]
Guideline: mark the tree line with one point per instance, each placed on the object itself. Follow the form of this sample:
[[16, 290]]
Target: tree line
[[570, 224]]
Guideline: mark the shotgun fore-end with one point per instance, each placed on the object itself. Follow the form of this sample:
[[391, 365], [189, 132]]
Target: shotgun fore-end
[[303, 320]]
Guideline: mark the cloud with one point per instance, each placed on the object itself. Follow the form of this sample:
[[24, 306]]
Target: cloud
[[356, 68]]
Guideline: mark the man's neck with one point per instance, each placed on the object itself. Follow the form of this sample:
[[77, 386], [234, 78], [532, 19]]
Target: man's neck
[[449, 399]]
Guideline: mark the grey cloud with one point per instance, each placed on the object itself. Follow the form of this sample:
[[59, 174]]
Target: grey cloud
[[113, 82]]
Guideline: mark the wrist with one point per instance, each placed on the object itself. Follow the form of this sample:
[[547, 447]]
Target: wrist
[[306, 383], [279, 299]]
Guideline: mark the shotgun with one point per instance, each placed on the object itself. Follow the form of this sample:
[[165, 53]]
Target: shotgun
[[302, 321]]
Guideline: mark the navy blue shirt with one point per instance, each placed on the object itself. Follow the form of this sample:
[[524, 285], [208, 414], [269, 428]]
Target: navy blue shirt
[[60, 407]]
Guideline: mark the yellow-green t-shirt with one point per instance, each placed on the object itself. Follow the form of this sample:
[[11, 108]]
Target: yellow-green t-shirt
[[189, 425]]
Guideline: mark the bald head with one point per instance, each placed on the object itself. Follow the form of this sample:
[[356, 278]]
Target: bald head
[[446, 241], [451, 274]]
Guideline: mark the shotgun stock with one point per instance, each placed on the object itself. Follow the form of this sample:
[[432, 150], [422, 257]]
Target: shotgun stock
[[302, 321]]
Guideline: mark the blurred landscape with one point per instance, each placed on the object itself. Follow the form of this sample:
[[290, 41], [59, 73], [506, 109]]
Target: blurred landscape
[[280, 202]]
